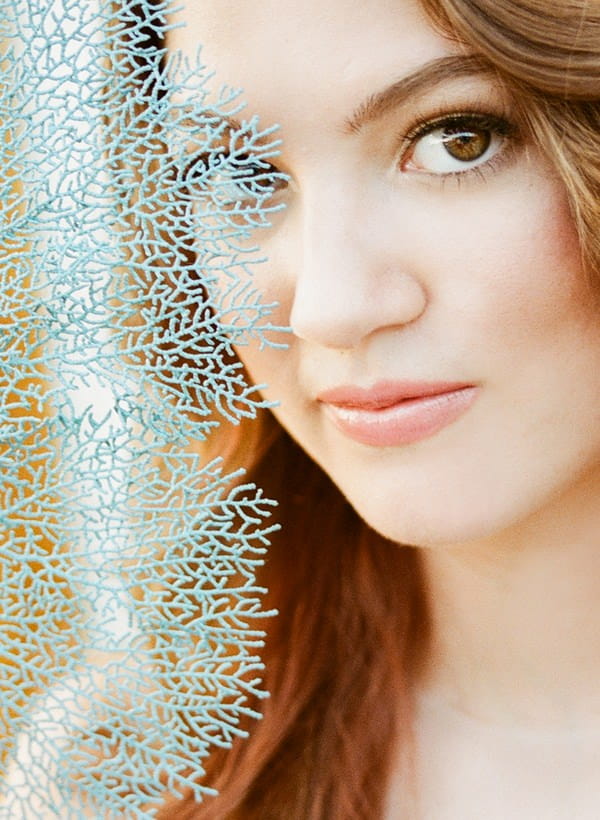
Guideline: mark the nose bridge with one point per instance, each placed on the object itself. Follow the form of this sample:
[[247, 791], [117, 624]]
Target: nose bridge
[[343, 273], [331, 236]]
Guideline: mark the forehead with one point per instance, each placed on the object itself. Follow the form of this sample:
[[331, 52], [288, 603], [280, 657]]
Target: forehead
[[291, 56]]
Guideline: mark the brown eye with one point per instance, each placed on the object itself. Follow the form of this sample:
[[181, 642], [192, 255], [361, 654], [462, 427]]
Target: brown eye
[[456, 144], [466, 144]]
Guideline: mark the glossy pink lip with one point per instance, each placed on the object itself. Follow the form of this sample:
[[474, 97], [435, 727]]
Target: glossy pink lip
[[394, 413]]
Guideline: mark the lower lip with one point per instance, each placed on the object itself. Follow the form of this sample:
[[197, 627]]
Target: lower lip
[[403, 423]]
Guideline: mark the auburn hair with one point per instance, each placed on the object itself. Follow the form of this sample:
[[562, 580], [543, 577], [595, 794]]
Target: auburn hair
[[340, 655]]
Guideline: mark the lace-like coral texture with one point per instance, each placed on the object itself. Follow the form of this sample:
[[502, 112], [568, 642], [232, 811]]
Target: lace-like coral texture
[[126, 562]]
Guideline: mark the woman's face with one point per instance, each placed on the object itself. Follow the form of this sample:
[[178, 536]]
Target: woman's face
[[444, 367]]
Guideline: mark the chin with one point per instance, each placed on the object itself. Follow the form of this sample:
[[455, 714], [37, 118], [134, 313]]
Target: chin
[[437, 524]]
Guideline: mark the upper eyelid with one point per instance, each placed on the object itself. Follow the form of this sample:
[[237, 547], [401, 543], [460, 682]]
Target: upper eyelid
[[487, 120]]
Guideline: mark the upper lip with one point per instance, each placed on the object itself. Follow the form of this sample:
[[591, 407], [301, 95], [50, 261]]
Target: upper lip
[[386, 393]]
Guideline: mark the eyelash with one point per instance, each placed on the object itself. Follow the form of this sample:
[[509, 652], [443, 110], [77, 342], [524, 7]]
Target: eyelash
[[495, 124], [243, 173]]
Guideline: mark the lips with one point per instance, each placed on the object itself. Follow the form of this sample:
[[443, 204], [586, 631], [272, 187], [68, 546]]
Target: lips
[[396, 413]]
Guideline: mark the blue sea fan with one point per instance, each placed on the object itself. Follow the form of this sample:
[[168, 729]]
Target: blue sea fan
[[129, 601]]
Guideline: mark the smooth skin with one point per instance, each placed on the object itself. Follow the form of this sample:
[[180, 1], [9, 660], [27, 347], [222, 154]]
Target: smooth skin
[[394, 260]]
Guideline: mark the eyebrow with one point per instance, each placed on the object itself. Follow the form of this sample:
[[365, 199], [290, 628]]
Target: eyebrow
[[422, 79]]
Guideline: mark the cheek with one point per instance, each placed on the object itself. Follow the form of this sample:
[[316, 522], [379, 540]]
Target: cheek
[[511, 266]]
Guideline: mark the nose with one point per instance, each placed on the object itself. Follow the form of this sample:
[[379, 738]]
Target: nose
[[351, 271]]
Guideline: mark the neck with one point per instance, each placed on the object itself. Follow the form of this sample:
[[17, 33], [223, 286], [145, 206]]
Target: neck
[[515, 619]]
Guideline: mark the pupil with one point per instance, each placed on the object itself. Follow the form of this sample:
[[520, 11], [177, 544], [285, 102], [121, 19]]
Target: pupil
[[466, 145]]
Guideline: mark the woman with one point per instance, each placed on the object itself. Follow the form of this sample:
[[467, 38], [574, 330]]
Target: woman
[[436, 449]]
